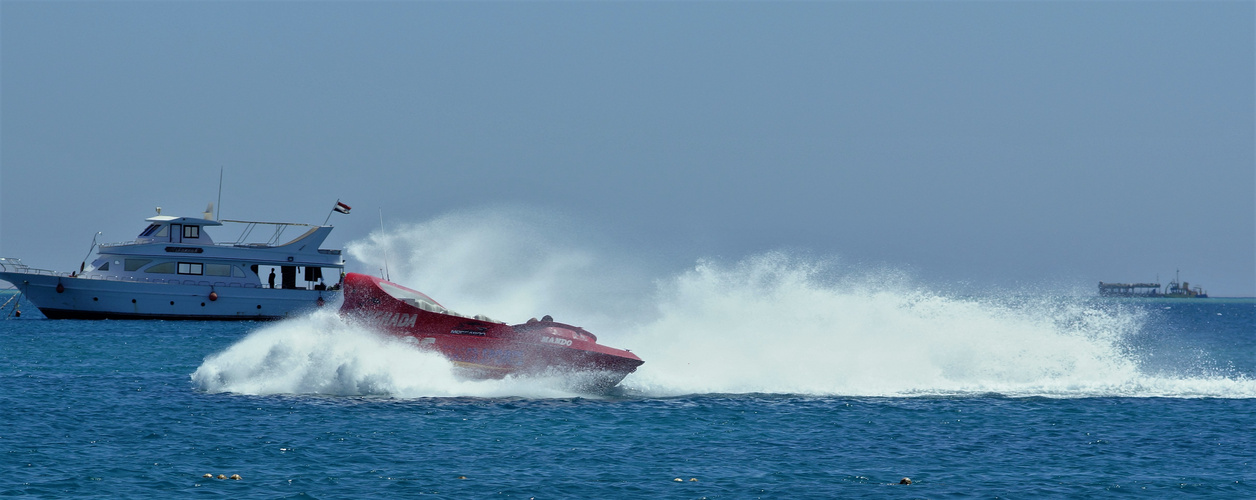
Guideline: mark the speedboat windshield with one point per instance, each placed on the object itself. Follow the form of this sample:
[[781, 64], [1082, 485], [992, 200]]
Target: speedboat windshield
[[417, 299]]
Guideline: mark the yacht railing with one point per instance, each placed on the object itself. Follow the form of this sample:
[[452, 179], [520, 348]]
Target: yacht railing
[[274, 238], [237, 243], [173, 281], [11, 265], [240, 241]]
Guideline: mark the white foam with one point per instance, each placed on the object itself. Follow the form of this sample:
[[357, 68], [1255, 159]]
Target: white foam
[[772, 323], [322, 354], [776, 324]]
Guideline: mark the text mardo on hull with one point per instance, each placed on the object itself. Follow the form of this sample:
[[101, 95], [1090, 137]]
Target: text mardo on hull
[[174, 270]]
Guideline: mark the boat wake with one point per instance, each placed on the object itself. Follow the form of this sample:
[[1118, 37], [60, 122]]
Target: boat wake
[[773, 323], [776, 324]]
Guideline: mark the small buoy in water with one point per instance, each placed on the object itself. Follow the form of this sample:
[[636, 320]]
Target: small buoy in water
[[906, 480], [220, 476], [693, 479], [679, 480], [208, 476], [236, 477], [213, 296]]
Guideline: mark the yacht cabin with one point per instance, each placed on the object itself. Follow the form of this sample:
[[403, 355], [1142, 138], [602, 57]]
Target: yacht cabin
[[178, 250]]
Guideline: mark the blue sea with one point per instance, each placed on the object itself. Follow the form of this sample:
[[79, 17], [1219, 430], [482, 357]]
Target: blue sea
[[800, 389]]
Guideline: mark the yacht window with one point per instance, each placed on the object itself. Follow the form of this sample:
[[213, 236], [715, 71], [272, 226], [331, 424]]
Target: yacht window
[[133, 264], [165, 230], [191, 231], [163, 268], [236, 272], [190, 268], [149, 230], [103, 267], [217, 269]]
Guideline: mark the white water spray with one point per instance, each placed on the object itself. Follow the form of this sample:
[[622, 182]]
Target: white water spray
[[322, 354], [512, 265], [775, 324], [771, 323]]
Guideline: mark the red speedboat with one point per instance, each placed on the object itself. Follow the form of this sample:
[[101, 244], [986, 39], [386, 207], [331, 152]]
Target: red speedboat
[[484, 348]]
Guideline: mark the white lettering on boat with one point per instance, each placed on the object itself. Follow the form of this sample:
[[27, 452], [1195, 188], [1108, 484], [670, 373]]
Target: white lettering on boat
[[388, 318], [555, 340]]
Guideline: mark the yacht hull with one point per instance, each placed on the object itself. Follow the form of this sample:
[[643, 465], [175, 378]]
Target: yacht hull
[[65, 297]]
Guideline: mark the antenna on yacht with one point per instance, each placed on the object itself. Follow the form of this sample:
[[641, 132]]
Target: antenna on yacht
[[219, 194], [381, 231], [83, 265]]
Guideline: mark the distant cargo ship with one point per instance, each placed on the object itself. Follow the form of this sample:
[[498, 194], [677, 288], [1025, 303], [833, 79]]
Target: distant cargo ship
[[1175, 290]]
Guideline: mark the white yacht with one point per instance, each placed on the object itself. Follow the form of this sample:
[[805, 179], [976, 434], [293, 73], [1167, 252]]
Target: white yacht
[[174, 270]]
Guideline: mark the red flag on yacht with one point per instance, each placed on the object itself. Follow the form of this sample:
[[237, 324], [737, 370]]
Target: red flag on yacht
[[341, 207]]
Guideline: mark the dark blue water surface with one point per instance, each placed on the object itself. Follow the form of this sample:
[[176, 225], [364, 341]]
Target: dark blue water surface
[[111, 409]]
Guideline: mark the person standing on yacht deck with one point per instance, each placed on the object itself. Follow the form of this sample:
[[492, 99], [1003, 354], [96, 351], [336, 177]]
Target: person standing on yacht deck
[[272, 277]]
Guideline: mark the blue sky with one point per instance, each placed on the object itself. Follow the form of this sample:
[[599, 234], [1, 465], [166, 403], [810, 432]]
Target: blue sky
[[1024, 144]]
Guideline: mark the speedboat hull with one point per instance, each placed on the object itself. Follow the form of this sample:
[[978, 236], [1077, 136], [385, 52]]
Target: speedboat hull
[[483, 348]]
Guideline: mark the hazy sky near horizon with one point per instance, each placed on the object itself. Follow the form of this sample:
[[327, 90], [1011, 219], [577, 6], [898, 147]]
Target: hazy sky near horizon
[[985, 143]]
